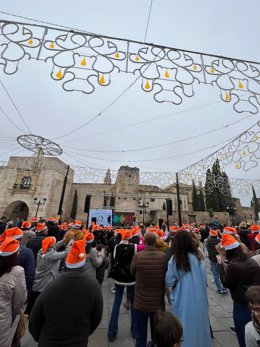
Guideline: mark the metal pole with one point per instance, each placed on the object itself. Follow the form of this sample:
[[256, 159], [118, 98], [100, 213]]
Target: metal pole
[[38, 205], [178, 199], [63, 192]]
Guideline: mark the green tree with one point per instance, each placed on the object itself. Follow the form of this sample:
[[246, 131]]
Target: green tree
[[201, 201], [211, 192], [195, 198]]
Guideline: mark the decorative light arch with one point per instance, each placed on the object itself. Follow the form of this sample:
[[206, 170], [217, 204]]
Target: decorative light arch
[[82, 61]]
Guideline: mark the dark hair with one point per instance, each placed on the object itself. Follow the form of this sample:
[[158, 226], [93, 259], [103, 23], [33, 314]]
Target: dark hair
[[167, 329], [7, 263], [184, 243], [253, 295], [135, 239], [236, 253]]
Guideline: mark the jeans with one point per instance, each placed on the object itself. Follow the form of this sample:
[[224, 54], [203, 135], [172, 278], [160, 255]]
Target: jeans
[[215, 273], [142, 320], [113, 323], [241, 316]]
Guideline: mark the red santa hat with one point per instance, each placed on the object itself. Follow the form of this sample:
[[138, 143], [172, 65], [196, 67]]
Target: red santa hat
[[9, 247], [77, 255], [228, 242], [47, 243]]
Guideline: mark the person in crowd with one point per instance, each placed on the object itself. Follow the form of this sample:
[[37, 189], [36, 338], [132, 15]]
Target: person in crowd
[[27, 232], [13, 292], [3, 221], [94, 258], [187, 272], [47, 266], [52, 225], [252, 329], [204, 233], [123, 255], [243, 232], [238, 273], [211, 243], [35, 243], [257, 244], [168, 331], [25, 257], [254, 230], [148, 268], [70, 308]]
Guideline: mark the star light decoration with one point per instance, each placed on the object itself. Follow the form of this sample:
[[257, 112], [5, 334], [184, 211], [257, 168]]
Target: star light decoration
[[82, 61]]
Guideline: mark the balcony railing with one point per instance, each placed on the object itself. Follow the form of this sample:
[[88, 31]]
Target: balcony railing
[[22, 186]]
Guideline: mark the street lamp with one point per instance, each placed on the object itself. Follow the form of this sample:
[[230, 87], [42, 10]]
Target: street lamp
[[39, 202], [232, 211]]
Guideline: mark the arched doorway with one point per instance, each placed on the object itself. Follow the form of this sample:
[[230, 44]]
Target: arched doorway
[[17, 209]]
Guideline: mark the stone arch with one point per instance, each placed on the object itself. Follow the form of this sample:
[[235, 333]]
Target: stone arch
[[17, 209]]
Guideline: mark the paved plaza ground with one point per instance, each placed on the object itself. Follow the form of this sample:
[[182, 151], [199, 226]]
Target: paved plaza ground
[[220, 318]]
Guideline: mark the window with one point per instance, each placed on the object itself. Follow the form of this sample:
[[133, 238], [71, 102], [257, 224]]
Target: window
[[26, 182], [87, 203]]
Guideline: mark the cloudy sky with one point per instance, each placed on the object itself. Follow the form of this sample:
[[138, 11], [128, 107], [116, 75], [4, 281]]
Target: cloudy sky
[[229, 28]]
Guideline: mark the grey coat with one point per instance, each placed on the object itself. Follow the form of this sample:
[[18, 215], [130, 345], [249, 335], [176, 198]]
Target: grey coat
[[48, 264]]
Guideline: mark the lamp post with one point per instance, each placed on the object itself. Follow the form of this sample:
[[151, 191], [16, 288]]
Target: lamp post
[[39, 202], [232, 211]]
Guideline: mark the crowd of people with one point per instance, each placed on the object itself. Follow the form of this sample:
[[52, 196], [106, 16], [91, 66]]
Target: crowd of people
[[53, 270]]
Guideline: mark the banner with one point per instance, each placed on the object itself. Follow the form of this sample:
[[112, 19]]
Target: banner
[[99, 216]]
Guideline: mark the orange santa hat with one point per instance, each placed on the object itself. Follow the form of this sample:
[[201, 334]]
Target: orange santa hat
[[229, 230], [77, 255], [213, 233], [48, 242], [228, 242], [89, 237], [254, 228], [257, 238], [26, 224], [16, 233], [9, 247]]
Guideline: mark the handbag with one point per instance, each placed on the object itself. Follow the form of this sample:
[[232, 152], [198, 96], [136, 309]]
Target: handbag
[[21, 329]]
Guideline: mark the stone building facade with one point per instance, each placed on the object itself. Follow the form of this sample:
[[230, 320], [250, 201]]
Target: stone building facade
[[22, 188]]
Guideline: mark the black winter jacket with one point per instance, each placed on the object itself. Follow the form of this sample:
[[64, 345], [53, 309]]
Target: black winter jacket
[[239, 277], [67, 311]]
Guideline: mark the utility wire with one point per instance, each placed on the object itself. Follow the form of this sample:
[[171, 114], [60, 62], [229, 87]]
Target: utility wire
[[10, 120], [161, 145], [16, 108], [108, 106], [159, 159], [148, 20]]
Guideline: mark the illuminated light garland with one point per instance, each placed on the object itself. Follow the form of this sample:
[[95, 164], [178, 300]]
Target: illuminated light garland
[[82, 61]]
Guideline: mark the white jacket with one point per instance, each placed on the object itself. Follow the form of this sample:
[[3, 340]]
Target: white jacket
[[12, 298]]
